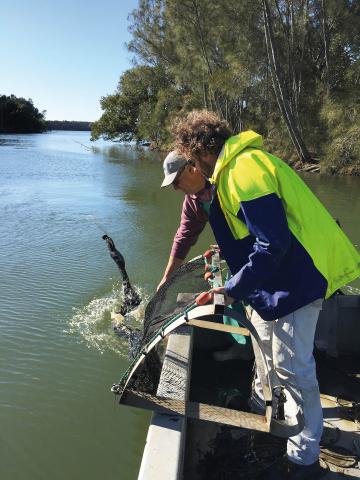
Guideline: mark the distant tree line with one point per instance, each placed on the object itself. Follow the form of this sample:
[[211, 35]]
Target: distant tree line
[[18, 115], [68, 125], [289, 69]]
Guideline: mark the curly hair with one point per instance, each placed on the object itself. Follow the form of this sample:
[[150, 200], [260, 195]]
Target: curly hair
[[200, 132]]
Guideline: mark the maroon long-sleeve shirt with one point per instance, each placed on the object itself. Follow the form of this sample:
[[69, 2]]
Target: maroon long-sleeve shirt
[[192, 223]]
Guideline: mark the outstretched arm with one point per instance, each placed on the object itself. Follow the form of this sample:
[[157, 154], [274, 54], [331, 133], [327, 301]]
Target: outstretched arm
[[192, 223], [173, 264]]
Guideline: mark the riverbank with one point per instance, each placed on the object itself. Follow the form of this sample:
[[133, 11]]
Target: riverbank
[[326, 166], [353, 170]]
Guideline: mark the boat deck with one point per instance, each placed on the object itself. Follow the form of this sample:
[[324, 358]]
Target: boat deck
[[216, 451]]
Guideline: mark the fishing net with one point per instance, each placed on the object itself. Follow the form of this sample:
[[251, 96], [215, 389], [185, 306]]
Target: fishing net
[[165, 306], [189, 278], [251, 455]]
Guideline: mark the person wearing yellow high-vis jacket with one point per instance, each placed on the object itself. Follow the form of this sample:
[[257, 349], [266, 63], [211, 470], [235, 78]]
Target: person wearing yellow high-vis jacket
[[285, 252]]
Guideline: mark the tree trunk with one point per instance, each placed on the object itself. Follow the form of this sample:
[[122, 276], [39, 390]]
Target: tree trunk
[[325, 40], [205, 55], [204, 95], [280, 94]]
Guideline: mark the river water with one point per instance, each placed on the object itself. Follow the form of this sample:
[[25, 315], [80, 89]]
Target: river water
[[58, 355]]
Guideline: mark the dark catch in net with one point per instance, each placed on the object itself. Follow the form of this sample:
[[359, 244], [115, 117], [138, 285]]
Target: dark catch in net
[[130, 296]]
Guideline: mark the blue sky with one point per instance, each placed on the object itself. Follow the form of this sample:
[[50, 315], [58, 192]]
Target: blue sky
[[64, 54]]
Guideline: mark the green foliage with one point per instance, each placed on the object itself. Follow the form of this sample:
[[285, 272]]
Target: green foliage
[[127, 112], [204, 54], [341, 113], [18, 115]]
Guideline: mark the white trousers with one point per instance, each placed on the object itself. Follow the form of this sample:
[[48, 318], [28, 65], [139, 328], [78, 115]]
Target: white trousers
[[288, 346]]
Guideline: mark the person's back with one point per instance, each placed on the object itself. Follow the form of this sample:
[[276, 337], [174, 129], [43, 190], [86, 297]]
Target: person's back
[[301, 253]]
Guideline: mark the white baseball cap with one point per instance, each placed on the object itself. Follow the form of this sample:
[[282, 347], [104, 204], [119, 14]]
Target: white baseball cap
[[172, 164]]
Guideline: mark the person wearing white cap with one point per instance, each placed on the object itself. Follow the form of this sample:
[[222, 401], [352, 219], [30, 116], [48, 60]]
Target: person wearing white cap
[[183, 175]]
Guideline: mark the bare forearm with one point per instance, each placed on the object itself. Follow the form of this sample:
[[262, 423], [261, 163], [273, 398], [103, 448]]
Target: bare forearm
[[173, 264]]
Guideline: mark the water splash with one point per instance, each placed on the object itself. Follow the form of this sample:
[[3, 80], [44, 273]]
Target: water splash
[[96, 328]]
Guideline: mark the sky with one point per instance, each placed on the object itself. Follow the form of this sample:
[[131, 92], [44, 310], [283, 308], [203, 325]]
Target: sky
[[64, 55]]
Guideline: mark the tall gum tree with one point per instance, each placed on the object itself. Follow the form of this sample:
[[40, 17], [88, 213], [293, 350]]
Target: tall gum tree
[[279, 86]]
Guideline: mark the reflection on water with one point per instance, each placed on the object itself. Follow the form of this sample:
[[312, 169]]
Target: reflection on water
[[16, 142], [120, 153]]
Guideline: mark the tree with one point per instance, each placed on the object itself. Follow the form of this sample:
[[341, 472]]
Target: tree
[[279, 88], [138, 109], [281, 67], [18, 115]]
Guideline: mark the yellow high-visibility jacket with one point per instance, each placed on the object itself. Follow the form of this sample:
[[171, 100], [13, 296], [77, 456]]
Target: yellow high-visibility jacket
[[283, 247]]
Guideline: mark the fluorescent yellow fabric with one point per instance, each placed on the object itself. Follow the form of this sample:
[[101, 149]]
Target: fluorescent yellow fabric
[[244, 172]]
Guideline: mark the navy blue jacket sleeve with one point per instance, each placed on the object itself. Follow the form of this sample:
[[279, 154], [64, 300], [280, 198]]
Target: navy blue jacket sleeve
[[266, 221]]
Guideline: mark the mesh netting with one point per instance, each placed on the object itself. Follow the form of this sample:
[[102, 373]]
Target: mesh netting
[[163, 307], [189, 278]]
